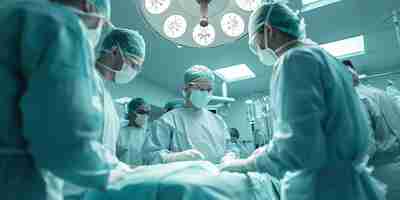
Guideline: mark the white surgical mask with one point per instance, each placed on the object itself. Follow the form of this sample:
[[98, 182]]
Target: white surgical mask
[[141, 119], [267, 56], [123, 76], [200, 99]]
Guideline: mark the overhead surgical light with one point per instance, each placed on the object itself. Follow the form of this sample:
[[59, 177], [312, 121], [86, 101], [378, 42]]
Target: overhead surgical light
[[203, 12], [175, 26], [232, 24], [204, 35], [248, 5], [198, 23], [157, 6]]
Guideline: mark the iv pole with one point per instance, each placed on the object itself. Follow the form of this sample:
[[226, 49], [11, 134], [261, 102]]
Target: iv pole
[[396, 24]]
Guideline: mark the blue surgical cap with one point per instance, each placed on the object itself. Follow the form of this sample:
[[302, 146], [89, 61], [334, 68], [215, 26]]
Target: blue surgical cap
[[131, 42], [136, 103], [198, 73], [103, 7], [279, 16]]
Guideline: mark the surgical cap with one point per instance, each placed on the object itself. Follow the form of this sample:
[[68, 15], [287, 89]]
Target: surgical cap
[[136, 103], [280, 17], [177, 103], [197, 73], [131, 42], [103, 7]]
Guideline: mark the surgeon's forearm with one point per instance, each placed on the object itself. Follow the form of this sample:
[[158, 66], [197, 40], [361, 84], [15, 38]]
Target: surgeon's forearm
[[264, 164], [156, 157]]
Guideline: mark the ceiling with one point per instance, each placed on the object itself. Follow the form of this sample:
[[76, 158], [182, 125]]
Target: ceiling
[[165, 63]]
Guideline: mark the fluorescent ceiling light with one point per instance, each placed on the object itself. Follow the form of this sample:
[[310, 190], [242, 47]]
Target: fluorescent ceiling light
[[235, 73], [314, 4], [346, 48], [307, 2]]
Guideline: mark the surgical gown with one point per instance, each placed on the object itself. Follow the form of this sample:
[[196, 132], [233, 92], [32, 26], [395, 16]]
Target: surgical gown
[[130, 144], [187, 128], [108, 136], [385, 116], [47, 119], [243, 148], [319, 146]]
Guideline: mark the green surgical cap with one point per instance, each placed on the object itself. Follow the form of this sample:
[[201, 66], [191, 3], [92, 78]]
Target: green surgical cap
[[103, 7], [131, 42], [280, 17], [136, 103], [198, 72], [177, 103]]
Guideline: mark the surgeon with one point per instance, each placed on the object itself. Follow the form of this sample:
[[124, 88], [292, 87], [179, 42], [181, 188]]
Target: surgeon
[[191, 132], [171, 105], [120, 60], [319, 146], [132, 137], [50, 119]]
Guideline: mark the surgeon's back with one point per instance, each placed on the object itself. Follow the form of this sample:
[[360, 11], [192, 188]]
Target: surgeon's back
[[20, 54], [42, 50], [320, 142]]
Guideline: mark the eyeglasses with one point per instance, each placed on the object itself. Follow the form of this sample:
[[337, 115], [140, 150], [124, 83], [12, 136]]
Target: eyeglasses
[[201, 87], [142, 112], [130, 60]]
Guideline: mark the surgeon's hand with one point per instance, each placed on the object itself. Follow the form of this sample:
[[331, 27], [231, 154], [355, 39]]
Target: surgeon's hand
[[118, 174], [188, 155], [121, 171], [239, 165], [229, 157], [259, 151]]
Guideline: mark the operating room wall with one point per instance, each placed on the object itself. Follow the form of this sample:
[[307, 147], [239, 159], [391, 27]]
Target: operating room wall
[[141, 87]]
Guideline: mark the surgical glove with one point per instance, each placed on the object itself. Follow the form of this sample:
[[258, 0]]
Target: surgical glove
[[239, 165], [121, 171], [118, 173], [188, 155], [259, 151], [229, 157], [124, 166]]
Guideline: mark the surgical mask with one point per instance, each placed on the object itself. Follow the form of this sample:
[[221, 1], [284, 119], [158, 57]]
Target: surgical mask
[[123, 76], [200, 99], [141, 119], [267, 56]]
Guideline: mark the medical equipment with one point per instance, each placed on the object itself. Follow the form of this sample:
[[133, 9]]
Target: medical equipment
[[197, 23], [259, 117], [396, 22]]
